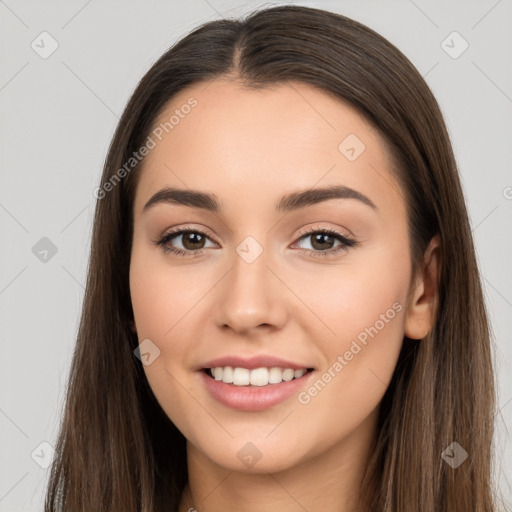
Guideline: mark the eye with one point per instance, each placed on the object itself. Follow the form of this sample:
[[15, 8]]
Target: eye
[[323, 240], [192, 241]]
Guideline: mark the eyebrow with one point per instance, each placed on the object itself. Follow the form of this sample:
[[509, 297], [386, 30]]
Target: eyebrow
[[288, 203]]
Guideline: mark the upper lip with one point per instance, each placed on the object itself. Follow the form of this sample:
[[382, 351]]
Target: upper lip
[[261, 361]]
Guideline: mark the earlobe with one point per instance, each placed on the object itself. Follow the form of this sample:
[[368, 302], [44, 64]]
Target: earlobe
[[422, 307], [133, 327]]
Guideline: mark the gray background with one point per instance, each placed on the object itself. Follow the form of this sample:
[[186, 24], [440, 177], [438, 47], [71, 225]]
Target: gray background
[[58, 116]]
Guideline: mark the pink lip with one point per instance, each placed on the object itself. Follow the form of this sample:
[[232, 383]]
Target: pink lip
[[253, 398], [262, 361]]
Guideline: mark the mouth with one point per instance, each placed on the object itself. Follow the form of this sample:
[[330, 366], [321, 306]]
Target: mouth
[[255, 377]]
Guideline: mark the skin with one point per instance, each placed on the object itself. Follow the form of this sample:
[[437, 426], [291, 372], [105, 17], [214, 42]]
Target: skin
[[250, 148]]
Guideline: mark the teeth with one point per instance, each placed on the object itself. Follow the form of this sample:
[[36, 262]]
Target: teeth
[[241, 377], [288, 374], [258, 377], [255, 377], [227, 375], [275, 376]]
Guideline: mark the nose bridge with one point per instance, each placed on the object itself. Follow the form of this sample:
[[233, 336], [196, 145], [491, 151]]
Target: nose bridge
[[250, 294]]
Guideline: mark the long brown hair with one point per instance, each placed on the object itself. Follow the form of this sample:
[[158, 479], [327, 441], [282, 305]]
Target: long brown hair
[[118, 451]]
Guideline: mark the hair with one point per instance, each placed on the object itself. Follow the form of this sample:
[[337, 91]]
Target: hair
[[117, 450]]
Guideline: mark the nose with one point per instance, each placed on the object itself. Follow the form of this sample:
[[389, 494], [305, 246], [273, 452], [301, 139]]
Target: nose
[[251, 296]]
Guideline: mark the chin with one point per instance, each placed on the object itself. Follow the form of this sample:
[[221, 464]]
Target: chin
[[259, 456]]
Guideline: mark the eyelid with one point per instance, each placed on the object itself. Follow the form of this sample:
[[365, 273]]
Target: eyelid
[[181, 229], [337, 230]]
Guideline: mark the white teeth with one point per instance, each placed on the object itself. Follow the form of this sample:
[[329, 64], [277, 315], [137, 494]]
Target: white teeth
[[288, 374], [299, 373], [240, 376], [227, 374], [255, 377], [275, 376], [259, 377]]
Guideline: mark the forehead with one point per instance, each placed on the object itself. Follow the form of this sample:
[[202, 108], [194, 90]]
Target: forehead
[[224, 137]]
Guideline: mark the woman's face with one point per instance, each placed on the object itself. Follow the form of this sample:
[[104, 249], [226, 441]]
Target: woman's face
[[316, 279]]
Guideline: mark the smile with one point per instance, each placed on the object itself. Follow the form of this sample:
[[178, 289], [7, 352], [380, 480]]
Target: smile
[[256, 376], [253, 390]]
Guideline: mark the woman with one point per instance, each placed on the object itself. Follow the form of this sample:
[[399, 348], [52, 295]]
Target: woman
[[227, 359]]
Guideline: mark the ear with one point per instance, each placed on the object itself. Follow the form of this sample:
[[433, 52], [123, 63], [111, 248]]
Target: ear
[[423, 298]]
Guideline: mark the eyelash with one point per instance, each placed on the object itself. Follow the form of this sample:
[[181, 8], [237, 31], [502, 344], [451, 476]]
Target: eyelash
[[346, 243]]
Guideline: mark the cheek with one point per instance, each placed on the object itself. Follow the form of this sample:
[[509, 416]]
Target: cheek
[[354, 295], [362, 308], [161, 298], [161, 295], [160, 301], [167, 303]]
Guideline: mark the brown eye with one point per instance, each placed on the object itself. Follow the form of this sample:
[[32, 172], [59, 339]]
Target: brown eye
[[322, 242], [192, 240]]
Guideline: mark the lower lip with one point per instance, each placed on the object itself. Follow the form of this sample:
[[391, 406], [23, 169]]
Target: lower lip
[[253, 398]]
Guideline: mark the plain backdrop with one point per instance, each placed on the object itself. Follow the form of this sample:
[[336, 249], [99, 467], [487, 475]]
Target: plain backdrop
[[59, 111]]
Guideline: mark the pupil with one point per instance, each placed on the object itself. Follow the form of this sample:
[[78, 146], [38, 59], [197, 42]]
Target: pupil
[[319, 238], [189, 239]]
